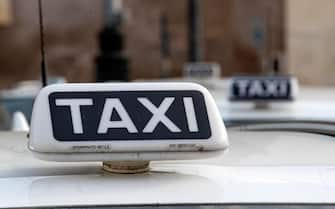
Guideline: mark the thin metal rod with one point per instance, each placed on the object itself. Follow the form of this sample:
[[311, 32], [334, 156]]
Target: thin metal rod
[[43, 65], [194, 31], [165, 37]]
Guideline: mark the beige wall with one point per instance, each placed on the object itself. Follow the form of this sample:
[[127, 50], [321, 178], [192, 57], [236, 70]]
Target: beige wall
[[71, 28], [310, 40], [142, 32], [226, 36], [5, 13], [229, 26]]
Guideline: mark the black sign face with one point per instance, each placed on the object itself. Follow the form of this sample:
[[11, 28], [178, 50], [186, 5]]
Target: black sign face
[[129, 115], [261, 88]]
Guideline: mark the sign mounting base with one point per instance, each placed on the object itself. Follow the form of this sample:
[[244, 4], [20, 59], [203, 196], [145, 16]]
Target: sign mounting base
[[126, 167]]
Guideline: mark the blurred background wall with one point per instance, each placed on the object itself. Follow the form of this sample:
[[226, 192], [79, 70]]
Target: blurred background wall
[[244, 36], [71, 27], [310, 40]]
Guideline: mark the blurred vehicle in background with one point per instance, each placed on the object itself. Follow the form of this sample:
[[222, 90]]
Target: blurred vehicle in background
[[20, 98]]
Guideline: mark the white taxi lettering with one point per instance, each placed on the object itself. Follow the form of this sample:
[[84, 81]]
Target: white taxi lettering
[[256, 88], [271, 88], [242, 85], [74, 105], [158, 115], [190, 114], [106, 123], [283, 88]]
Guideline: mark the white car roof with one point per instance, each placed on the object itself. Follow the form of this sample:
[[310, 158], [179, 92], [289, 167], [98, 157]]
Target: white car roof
[[258, 168]]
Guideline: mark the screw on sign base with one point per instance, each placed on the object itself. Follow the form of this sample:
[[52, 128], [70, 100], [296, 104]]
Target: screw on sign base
[[126, 167]]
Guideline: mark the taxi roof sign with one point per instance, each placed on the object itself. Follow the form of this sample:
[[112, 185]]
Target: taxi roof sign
[[202, 70], [263, 88], [125, 121]]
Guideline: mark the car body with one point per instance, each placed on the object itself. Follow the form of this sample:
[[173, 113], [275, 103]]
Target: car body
[[21, 96], [233, 167], [259, 168]]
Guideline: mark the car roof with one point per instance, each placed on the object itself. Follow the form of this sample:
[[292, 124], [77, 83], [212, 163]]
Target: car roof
[[257, 163]]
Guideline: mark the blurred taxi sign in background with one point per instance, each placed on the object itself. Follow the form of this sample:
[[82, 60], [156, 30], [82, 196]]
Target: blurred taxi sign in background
[[202, 73], [202, 70], [126, 121], [263, 88]]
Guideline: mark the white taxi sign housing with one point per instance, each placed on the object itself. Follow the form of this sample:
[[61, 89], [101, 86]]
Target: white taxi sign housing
[[202, 70], [126, 122]]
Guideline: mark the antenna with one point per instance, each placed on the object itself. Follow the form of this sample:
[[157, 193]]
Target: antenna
[[194, 31], [43, 66]]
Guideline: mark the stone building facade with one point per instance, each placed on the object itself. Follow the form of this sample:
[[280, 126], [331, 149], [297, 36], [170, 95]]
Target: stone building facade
[[243, 36]]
